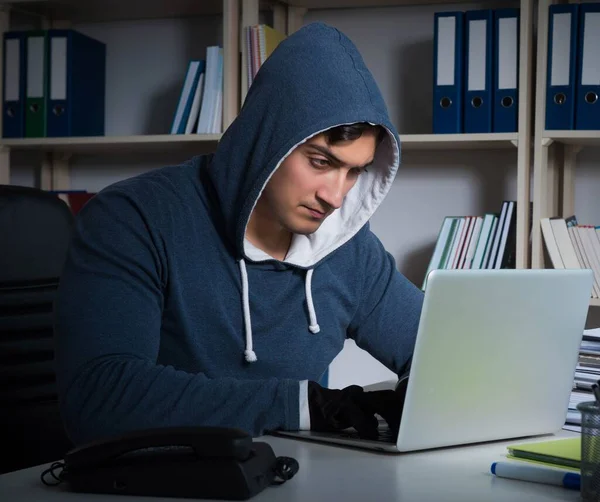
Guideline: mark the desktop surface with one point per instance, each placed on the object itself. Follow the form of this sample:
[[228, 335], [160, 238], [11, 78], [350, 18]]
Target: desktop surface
[[328, 472]]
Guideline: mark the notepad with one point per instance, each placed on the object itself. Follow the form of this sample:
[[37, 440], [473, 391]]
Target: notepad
[[565, 453]]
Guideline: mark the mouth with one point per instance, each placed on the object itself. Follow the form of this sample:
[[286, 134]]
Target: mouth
[[315, 213]]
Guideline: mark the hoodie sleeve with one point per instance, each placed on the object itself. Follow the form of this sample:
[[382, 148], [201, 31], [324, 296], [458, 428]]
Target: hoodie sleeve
[[387, 318], [108, 315]]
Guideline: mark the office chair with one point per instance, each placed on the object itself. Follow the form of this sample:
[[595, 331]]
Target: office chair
[[35, 229]]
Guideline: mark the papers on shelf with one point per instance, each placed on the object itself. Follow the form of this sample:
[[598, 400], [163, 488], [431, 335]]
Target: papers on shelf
[[591, 334]]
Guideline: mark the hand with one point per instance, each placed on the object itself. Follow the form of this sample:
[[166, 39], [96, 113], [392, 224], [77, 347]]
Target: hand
[[388, 404], [338, 409]]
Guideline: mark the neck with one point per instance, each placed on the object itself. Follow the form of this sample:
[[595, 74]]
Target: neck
[[267, 235]]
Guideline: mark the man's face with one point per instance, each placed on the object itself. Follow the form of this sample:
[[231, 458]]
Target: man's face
[[313, 181]]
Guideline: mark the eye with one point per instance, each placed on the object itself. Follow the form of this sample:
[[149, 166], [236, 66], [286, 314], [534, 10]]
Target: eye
[[318, 162]]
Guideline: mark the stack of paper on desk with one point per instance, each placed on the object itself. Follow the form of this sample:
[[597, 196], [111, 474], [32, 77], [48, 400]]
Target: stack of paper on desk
[[563, 453], [586, 374]]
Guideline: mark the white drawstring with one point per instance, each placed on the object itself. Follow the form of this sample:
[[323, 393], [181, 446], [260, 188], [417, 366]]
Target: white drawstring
[[314, 326], [249, 353]]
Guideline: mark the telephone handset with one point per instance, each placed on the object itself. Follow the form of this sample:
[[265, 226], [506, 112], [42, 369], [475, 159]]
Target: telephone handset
[[198, 462], [203, 441]]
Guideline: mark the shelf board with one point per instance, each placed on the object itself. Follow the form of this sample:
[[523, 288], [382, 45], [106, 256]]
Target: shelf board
[[595, 302], [457, 141], [579, 138], [111, 144], [81, 11], [208, 142], [352, 4]]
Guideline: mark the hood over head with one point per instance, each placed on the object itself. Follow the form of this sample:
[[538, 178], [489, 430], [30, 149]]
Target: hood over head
[[314, 80]]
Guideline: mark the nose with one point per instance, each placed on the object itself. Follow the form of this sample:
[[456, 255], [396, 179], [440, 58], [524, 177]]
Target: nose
[[334, 189]]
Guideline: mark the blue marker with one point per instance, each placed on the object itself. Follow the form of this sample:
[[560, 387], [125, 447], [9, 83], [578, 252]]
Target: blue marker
[[526, 472]]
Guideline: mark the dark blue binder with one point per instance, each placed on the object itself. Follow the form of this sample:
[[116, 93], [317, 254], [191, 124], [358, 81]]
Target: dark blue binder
[[77, 68], [478, 71], [13, 83], [448, 72], [506, 70], [587, 87], [561, 74]]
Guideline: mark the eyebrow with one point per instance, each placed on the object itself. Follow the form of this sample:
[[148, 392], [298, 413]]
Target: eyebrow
[[325, 151]]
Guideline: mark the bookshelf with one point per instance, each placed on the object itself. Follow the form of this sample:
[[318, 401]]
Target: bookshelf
[[55, 166], [287, 17], [554, 154]]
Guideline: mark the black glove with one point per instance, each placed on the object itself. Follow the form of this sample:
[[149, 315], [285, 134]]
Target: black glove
[[338, 409], [388, 404]]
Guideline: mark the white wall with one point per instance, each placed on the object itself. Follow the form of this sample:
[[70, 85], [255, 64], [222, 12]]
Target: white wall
[[146, 63]]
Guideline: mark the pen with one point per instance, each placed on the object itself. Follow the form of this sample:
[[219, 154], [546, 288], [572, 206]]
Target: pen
[[525, 472]]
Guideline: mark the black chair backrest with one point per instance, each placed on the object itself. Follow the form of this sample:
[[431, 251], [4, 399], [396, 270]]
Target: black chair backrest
[[35, 230], [26, 344]]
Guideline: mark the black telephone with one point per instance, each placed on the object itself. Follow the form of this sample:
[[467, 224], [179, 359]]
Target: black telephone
[[198, 462]]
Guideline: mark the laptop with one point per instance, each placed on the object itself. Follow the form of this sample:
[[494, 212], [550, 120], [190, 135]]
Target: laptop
[[494, 358]]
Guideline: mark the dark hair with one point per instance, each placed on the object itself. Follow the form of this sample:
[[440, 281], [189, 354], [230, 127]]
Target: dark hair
[[350, 132]]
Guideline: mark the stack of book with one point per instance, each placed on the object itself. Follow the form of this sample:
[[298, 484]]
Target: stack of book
[[476, 242], [200, 107], [260, 42], [586, 374], [571, 245], [561, 453]]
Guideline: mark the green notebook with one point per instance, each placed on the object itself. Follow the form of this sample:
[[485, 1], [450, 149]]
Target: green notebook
[[565, 453]]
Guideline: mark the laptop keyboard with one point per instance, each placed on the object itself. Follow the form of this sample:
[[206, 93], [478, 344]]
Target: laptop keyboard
[[385, 435]]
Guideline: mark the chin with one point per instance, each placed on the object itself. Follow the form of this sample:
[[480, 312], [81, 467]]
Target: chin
[[304, 228]]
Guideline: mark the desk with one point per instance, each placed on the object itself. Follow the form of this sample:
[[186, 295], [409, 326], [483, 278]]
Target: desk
[[328, 473]]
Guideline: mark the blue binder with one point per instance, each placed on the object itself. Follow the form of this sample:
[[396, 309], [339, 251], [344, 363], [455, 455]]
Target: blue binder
[[478, 71], [76, 87], [562, 59], [448, 72], [13, 83], [506, 70], [587, 88]]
